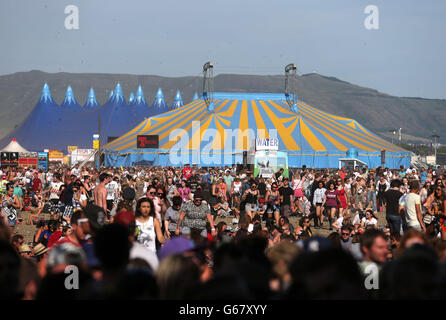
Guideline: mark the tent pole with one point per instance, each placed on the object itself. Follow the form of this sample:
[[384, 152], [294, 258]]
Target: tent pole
[[99, 152]]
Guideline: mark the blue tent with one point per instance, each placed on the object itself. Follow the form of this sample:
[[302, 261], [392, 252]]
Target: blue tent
[[195, 97], [131, 97], [139, 107], [159, 105], [91, 102], [218, 134], [178, 102], [115, 116], [38, 131], [70, 101]]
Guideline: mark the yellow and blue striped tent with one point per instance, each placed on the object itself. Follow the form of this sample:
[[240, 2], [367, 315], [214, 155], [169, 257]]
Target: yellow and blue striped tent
[[218, 135]]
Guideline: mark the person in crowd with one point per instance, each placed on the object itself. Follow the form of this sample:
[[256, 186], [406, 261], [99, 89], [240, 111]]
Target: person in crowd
[[172, 216], [10, 206], [269, 249], [195, 215], [413, 217], [148, 226], [330, 202]]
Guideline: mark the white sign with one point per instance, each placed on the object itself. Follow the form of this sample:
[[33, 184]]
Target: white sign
[[267, 144], [81, 155]]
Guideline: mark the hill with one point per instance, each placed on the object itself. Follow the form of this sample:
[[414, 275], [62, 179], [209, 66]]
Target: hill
[[379, 112]]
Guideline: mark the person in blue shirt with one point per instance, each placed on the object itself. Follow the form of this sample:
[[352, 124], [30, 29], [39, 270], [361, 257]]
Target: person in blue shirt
[[402, 172], [423, 175]]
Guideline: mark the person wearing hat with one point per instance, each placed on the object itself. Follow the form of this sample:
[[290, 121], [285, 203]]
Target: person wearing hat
[[39, 251], [25, 251], [195, 214]]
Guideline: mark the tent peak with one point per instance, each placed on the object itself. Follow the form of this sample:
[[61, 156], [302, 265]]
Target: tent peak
[[69, 98], [178, 102], [46, 94], [91, 100]]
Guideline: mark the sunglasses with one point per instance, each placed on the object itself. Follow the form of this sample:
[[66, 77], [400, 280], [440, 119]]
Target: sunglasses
[[152, 193], [160, 194], [345, 234]]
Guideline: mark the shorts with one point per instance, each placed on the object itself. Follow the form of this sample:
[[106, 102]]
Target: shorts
[[251, 207], [416, 227], [330, 207], [110, 204], [12, 223], [318, 204]]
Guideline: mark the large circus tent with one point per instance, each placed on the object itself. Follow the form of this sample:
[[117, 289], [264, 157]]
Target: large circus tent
[[54, 126], [217, 134]]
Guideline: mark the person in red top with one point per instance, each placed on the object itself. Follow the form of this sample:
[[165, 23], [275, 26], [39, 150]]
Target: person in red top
[[342, 173], [77, 234], [187, 172], [37, 183]]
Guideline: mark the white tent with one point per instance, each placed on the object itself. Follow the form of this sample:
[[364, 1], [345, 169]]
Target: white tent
[[14, 146]]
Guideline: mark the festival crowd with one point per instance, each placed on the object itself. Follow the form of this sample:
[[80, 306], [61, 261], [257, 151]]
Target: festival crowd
[[222, 233]]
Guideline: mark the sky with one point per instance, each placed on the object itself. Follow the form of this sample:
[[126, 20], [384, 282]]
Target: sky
[[405, 56]]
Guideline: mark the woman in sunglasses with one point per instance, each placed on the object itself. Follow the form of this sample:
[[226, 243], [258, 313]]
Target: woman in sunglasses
[[251, 197]]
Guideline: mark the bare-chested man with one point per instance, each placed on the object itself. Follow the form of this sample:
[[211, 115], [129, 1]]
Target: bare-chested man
[[100, 192]]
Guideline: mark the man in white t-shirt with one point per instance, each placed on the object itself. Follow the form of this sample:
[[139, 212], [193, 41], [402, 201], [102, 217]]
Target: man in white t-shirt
[[76, 171], [112, 192], [413, 216], [54, 189]]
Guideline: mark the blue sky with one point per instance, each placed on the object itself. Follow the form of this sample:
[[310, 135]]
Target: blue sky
[[404, 57]]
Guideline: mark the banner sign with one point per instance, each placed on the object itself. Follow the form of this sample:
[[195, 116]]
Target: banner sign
[[95, 141], [267, 144], [42, 160], [9, 158], [266, 163], [28, 159], [81, 155], [71, 149], [147, 141]]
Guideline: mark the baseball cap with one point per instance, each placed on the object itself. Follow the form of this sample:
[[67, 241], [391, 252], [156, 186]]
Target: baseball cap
[[95, 215], [175, 246]]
